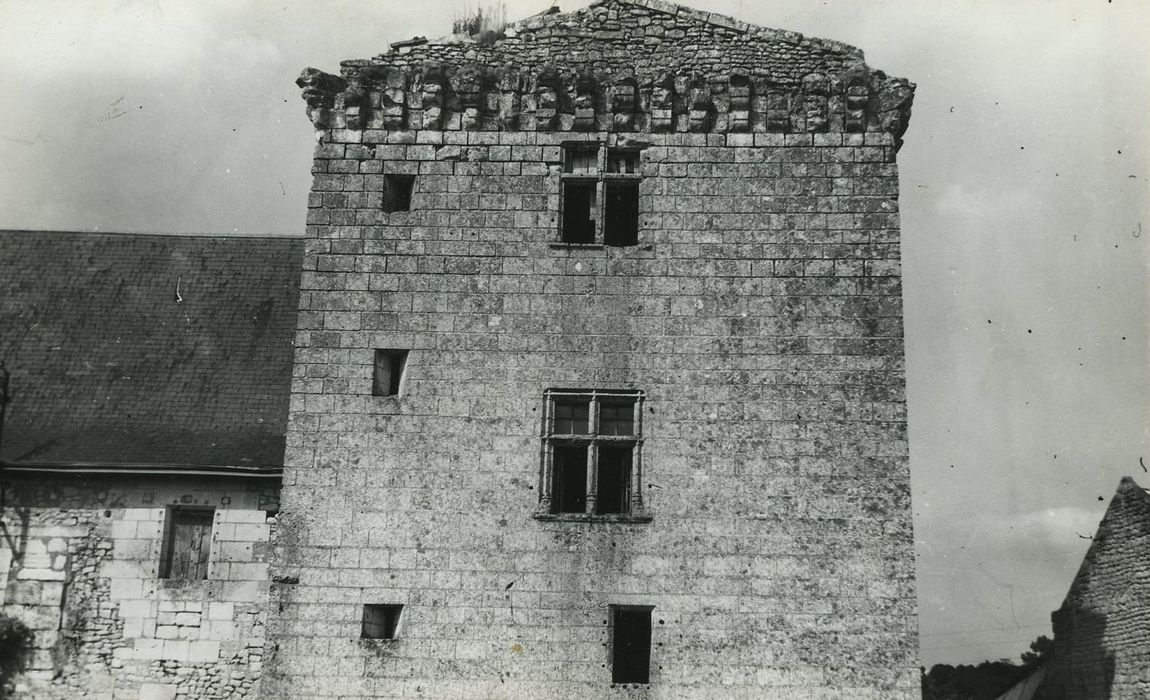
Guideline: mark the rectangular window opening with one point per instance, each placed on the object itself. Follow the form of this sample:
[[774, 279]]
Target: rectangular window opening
[[380, 621], [571, 417], [578, 212], [592, 464], [614, 480], [621, 218], [630, 644], [187, 543], [622, 161], [397, 192], [569, 484], [581, 160], [387, 377]]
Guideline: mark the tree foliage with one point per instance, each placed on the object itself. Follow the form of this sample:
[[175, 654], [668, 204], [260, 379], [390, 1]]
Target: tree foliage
[[15, 645], [985, 681]]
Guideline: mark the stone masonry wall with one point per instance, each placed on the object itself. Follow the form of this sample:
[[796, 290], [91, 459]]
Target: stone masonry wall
[[761, 314], [1102, 631], [79, 562]]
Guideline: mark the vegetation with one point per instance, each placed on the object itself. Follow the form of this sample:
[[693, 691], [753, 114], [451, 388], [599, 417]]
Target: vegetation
[[15, 644], [985, 681], [486, 24]]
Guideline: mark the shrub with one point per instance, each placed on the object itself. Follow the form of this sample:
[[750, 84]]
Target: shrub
[[15, 645]]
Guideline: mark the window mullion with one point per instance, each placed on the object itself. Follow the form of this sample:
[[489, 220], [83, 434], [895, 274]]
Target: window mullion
[[600, 194], [636, 481], [546, 479], [593, 456]]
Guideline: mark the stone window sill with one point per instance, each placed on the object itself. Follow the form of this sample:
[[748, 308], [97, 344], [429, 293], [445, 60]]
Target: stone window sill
[[589, 518]]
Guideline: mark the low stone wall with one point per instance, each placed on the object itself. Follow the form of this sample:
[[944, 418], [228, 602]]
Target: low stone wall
[[80, 563]]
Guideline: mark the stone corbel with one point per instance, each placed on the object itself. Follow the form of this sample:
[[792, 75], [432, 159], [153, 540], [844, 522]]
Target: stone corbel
[[586, 97], [661, 107], [432, 97], [624, 104], [509, 88], [701, 108], [893, 104], [355, 104], [739, 95], [319, 90], [816, 89], [393, 100], [469, 85]]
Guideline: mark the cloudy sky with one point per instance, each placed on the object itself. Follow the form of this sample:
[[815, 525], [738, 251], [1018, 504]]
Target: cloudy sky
[[1024, 199]]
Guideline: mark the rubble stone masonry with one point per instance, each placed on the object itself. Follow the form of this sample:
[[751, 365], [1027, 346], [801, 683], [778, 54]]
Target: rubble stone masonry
[[760, 315], [79, 564]]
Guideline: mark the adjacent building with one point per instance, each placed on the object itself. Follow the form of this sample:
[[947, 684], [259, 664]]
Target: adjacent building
[[140, 456]]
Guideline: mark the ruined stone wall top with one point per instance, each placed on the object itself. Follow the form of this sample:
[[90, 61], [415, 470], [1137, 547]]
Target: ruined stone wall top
[[618, 65]]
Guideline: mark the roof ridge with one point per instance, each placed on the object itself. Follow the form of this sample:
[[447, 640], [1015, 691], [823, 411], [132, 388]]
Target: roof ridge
[[165, 234]]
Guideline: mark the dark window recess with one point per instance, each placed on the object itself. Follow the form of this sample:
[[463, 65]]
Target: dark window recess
[[616, 418], [578, 212], [380, 621], [623, 162], [630, 644], [187, 544], [614, 478], [621, 219], [387, 378], [571, 417], [569, 484], [581, 161], [397, 192]]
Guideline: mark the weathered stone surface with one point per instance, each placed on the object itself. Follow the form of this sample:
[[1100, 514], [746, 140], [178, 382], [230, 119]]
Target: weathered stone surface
[[1102, 630], [761, 314], [102, 618], [619, 65]]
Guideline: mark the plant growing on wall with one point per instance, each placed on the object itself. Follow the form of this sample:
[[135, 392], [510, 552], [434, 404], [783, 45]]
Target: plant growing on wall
[[15, 644]]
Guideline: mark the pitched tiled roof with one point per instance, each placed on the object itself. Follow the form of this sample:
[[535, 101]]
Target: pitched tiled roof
[[145, 350]]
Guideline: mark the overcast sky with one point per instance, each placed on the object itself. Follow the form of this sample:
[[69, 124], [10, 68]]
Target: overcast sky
[[1024, 199]]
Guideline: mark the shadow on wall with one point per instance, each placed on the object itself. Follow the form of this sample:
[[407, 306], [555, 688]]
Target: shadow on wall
[[1084, 667], [15, 648]]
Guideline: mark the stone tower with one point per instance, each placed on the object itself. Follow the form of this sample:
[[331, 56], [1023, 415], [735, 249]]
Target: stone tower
[[598, 385]]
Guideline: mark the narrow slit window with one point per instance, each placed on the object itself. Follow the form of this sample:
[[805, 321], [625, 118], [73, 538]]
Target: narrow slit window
[[397, 192], [569, 485], [380, 621], [187, 543], [387, 377], [579, 211], [621, 218], [630, 644]]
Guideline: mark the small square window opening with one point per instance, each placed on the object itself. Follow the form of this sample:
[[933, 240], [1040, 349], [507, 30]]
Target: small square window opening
[[581, 160], [630, 644], [621, 161], [397, 192], [380, 621], [187, 543], [388, 374]]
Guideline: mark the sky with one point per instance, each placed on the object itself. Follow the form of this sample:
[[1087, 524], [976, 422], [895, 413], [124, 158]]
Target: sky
[[1024, 203]]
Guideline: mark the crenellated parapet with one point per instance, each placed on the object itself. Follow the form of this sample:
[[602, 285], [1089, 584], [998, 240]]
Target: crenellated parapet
[[617, 66]]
